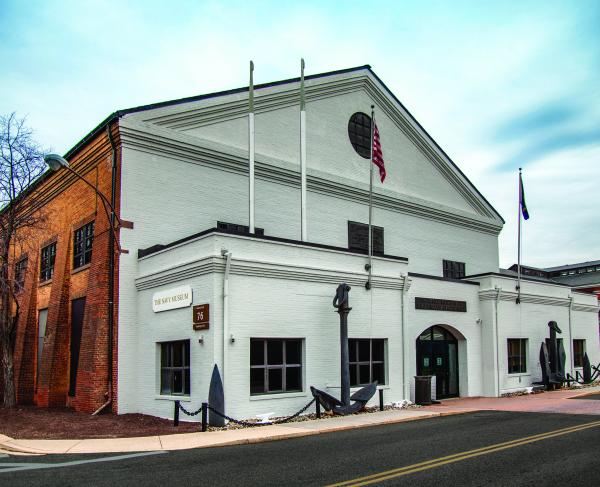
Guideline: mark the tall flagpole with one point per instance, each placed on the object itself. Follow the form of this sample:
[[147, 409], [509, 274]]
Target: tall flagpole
[[519, 210], [368, 286], [303, 232], [251, 148]]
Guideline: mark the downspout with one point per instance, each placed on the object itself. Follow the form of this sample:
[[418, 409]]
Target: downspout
[[227, 254], [496, 302], [572, 358], [405, 382], [111, 267]]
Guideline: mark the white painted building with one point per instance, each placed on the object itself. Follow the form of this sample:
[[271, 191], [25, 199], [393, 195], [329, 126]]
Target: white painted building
[[274, 333]]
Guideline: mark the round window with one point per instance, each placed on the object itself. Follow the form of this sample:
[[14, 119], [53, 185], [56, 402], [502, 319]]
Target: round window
[[359, 131]]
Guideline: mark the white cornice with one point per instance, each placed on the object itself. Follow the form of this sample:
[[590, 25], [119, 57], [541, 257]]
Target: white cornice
[[254, 268], [182, 147], [492, 294]]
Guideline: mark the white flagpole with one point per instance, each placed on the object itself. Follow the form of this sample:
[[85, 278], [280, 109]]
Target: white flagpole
[[371, 199], [251, 148], [519, 242], [303, 232]]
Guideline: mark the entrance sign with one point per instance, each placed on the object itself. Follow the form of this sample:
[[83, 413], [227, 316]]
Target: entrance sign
[[201, 316], [440, 304], [178, 297]]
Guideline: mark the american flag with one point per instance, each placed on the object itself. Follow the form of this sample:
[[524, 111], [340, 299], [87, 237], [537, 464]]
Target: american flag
[[377, 154]]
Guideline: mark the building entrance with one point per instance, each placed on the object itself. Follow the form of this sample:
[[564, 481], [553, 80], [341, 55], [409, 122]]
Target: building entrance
[[437, 354]]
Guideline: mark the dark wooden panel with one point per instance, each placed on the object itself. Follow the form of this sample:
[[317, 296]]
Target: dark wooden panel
[[434, 304]]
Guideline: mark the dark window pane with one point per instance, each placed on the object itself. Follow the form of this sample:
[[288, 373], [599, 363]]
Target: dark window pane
[[257, 352], [363, 374], [177, 356], [426, 335], [164, 355], [293, 379], [186, 349], [275, 352], [275, 380], [293, 352], [359, 132], [257, 381], [186, 389], [177, 381], [378, 350], [364, 350], [352, 350], [354, 375], [378, 373], [438, 333], [165, 381]]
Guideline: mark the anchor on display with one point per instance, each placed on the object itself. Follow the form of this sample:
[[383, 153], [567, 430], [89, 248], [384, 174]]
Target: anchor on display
[[360, 397]]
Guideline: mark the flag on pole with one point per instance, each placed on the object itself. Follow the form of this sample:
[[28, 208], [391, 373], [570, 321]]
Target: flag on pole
[[378, 154], [522, 199], [303, 228]]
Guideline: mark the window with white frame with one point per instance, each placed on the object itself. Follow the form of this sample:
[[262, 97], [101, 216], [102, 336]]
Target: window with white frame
[[275, 365], [175, 368], [367, 361], [517, 355]]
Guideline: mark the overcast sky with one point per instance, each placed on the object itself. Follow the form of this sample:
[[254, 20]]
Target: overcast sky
[[499, 87]]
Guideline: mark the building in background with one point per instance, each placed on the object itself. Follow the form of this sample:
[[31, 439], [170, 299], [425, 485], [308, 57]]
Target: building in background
[[194, 286]]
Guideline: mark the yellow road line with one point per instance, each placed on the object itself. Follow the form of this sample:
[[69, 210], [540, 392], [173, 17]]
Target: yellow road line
[[438, 462]]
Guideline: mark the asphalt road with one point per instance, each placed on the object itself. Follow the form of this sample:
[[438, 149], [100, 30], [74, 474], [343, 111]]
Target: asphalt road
[[434, 452]]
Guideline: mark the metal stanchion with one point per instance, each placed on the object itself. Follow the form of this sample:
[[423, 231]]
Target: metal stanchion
[[381, 399], [176, 414], [204, 416]]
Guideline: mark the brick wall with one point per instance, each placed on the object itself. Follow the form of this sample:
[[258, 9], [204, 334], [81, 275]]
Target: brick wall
[[66, 204]]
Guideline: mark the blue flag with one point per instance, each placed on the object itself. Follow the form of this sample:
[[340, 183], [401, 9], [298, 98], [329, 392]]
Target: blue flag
[[522, 199]]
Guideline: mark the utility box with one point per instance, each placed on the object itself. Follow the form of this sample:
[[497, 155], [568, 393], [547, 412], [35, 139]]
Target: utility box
[[423, 390]]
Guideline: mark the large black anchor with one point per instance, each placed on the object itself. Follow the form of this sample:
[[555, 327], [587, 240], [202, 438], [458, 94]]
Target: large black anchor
[[360, 397]]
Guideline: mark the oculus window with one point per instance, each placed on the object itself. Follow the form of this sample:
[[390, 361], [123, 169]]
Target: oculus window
[[517, 355], [275, 365], [47, 262], [367, 361], [359, 132], [82, 245], [175, 368]]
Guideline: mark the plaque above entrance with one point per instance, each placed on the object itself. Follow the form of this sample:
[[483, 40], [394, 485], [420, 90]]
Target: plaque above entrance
[[434, 304]]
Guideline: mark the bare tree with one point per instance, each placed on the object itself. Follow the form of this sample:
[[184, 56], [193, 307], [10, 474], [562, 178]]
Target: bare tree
[[21, 163]]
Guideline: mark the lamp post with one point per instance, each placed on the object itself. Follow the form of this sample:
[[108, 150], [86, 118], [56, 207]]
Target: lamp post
[[56, 162]]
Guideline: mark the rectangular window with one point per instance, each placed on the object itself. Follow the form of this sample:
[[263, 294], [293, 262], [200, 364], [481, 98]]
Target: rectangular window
[[175, 368], [275, 365], [367, 361], [578, 352], [453, 269], [20, 269], [358, 238], [47, 262], [82, 245], [42, 317], [517, 355]]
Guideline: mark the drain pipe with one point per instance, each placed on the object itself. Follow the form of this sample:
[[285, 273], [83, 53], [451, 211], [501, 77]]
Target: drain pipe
[[227, 255], [496, 303], [572, 361], [405, 382], [111, 267]]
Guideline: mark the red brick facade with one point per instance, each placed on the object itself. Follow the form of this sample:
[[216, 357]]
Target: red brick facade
[[68, 203]]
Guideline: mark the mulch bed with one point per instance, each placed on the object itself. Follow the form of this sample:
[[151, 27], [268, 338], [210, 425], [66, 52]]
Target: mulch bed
[[29, 422]]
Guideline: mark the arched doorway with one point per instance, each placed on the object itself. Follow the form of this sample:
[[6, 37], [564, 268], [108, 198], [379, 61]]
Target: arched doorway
[[437, 354]]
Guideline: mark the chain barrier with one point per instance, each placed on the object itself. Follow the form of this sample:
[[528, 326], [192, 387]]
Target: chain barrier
[[246, 423], [188, 412]]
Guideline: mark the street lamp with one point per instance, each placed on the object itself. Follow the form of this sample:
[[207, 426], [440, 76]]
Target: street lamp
[[55, 162]]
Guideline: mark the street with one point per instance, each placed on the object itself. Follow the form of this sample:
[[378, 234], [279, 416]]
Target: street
[[482, 448]]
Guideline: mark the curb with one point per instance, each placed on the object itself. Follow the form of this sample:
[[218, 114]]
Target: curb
[[6, 442]]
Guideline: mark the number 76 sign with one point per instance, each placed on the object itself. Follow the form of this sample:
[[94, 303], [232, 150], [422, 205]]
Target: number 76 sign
[[200, 317]]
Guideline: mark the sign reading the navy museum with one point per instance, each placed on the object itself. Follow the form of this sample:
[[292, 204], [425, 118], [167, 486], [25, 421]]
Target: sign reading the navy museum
[[440, 305], [177, 297], [200, 316]]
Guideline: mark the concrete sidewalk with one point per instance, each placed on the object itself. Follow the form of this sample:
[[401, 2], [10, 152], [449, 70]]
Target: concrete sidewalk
[[213, 438], [550, 402]]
